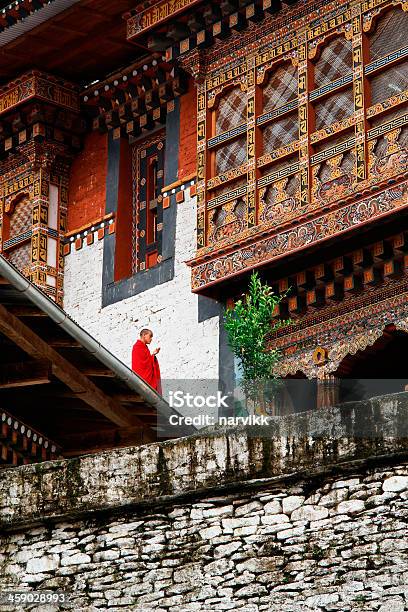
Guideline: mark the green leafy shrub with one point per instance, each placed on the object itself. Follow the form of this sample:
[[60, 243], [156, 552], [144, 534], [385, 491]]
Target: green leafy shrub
[[248, 324]]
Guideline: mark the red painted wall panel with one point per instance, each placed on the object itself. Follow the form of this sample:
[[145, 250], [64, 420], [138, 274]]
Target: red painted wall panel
[[188, 133], [87, 187]]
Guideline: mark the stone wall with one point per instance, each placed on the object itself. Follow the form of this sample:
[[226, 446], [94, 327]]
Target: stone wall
[[310, 514], [189, 349]]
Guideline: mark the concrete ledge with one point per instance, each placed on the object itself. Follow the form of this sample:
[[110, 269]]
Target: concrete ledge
[[309, 442]]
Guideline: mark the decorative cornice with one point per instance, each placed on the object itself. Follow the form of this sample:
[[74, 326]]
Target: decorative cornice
[[356, 329], [136, 99], [217, 267], [36, 84], [193, 62], [154, 15], [87, 234], [30, 110], [196, 24]]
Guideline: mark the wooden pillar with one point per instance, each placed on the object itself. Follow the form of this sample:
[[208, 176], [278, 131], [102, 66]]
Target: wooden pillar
[[328, 391], [34, 174], [49, 220], [43, 179]]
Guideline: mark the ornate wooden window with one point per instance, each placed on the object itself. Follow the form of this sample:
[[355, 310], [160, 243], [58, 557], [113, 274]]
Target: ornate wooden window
[[279, 90], [33, 212], [17, 232], [279, 126], [148, 176], [332, 112], [301, 122], [333, 79], [229, 145], [387, 73], [227, 156], [387, 37]]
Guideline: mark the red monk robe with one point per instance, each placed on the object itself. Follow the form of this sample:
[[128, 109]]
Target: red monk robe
[[146, 365]]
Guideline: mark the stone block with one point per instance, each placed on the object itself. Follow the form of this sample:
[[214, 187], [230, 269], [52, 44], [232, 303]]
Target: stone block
[[351, 506], [274, 519], [225, 550], [273, 507], [309, 513], [211, 532], [289, 504], [229, 525], [215, 512], [47, 563], [76, 559], [249, 508], [396, 483]]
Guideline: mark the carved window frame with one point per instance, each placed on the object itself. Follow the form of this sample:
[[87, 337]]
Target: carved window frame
[[308, 152], [146, 253]]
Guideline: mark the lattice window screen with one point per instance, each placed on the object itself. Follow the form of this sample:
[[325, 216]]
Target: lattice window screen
[[20, 219], [335, 108], [20, 256], [219, 217], [231, 110], [292, 186], [324, 172], [403, 138], [230, 155], [335, 61], [239, 210], [389, 33], [380, 149], [281, 87], [281, 132], [389, 83], [347, 163], [270, 198]]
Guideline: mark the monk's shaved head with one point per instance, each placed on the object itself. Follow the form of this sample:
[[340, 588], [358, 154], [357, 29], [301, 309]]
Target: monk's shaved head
[[146, 331]]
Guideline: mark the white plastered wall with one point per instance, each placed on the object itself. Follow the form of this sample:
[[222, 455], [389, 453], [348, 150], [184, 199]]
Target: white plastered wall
[[189, 349]]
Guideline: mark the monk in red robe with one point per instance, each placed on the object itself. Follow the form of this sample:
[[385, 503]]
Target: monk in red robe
[[144, 362]]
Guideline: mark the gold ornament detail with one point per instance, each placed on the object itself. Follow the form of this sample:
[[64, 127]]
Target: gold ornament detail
[[320, 355]]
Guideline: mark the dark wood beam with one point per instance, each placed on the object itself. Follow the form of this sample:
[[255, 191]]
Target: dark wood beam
[[98, 33], [129, 397], [75, 51], [7, 53], [46, 397], [116, 40], [65, 371], [94, 15], [26, 311], [43, 41], [97, 372], [145, 412], [62, 28], [67, 342], [24, 374]]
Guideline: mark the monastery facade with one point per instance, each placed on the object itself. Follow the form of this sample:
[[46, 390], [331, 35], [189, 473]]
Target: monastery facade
[[177, 146]]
